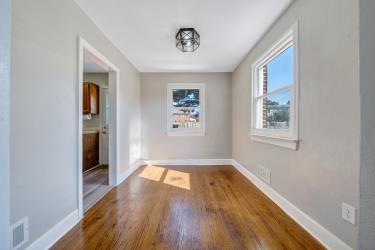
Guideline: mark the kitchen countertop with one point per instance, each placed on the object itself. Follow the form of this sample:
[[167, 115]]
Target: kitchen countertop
[[90, 131]]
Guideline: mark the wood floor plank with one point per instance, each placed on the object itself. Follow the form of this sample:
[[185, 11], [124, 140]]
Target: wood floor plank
[[95, 185], [186, 207]]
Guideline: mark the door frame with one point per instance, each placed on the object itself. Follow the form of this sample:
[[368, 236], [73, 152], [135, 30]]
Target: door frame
[[113, 82]]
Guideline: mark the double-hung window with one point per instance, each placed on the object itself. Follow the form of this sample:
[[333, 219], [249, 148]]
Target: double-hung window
[[185, 109], [275, 93]]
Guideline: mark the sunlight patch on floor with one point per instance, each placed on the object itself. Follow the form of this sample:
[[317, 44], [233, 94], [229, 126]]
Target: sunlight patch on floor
[[173, 177], [177, 179], [152, 173]]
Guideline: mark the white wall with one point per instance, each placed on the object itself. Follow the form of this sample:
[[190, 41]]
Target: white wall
[[44, 108], [157, 145], [5, 38], [324, 172], [367, 83]]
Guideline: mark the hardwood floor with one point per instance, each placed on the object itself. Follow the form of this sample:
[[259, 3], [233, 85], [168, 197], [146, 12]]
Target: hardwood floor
[[186, 207], [95, 185]]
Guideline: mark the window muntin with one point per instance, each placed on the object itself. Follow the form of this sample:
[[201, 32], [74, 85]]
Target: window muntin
[[274, 110], [275, 91], [185, 109]]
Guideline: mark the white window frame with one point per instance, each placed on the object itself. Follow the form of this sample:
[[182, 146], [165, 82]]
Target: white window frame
[[287, 138], [202, 115]]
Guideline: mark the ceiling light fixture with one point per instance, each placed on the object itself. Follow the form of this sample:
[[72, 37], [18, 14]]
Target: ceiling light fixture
[[187, 40]]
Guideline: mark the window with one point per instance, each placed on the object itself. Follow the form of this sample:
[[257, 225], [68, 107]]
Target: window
[[185, 105], [275, 93]]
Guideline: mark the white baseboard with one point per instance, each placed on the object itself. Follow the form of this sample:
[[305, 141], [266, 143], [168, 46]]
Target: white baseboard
[[325, 237], [328, 239], [55, 233], [61, 228], [127, 173], [192, 162]]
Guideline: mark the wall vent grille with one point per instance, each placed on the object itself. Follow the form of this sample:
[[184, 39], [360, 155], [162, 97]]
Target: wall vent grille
[[20, 233]]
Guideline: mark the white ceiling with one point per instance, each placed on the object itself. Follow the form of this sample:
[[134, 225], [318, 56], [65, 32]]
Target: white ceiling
[[144, 30]]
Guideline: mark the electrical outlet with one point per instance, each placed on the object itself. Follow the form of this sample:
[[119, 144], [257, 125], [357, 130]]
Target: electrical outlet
[[264, 173], [348, 213]]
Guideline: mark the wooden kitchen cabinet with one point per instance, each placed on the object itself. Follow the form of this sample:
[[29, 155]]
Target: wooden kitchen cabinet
[[90, 98], [90, 150], [86, 98]]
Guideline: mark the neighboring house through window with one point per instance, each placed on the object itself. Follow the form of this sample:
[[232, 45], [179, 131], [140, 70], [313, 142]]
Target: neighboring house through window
[[185, 109], [275, 93]]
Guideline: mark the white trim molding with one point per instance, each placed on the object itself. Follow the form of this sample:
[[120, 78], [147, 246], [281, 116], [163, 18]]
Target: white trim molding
[[49, 238], [86, 49], [172, 162], [276, 141], [280, 137], [202, 114], [133, 167], [328, 239], [189, 162], [186, 132], [325, 237], [55, 233]]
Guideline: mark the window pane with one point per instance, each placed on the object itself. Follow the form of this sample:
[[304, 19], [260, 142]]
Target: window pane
[[186, 118], [186, 108], [277, 73], [275, 110]]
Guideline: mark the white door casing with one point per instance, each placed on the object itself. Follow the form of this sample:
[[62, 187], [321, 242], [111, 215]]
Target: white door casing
[[113, 81]]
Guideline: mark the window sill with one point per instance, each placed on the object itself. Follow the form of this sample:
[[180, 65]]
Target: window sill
[[186, 133], [277, 141]]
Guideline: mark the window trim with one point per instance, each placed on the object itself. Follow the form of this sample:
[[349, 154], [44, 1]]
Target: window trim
[[284, 138], [202, 116]]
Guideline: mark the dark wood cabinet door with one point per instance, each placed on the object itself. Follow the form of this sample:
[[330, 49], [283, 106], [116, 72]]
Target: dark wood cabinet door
[[86, 98], [90, 100], [90, 151], [94, 98]]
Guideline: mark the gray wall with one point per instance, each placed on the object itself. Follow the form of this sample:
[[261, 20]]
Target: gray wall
[[5, 38], [367, 85], [324, 172], [44, 108], [157, 145], [317, 178]]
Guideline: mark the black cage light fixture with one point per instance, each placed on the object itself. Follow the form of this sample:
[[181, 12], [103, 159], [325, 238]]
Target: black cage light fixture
[[187, 40]]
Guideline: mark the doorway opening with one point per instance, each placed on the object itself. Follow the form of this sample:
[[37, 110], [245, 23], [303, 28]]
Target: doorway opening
[[95, 140], [98, 82]]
